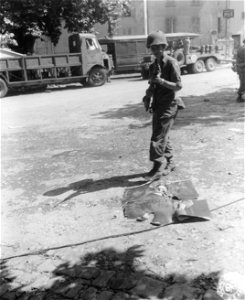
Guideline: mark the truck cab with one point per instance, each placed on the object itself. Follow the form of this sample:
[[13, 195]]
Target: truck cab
[[85, 62]]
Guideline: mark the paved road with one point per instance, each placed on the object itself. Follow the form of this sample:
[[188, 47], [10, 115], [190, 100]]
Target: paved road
[[72, 106], [58, 143]]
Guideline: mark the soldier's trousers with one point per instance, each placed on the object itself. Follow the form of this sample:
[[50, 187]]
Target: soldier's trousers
[[162, 122], [241, 74]]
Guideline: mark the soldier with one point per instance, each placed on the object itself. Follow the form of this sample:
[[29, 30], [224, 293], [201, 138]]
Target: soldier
[[240, 64], [160, 98]]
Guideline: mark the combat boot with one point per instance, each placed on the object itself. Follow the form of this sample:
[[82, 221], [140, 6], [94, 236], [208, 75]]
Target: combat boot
[[155, 172], [170, 166]]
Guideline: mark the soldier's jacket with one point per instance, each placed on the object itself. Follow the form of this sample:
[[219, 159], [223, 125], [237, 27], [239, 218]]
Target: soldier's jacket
[[163, 97]]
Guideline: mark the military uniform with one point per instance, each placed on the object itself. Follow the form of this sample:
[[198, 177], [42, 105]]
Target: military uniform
[[240, 62], [164, 107], [165, 81]]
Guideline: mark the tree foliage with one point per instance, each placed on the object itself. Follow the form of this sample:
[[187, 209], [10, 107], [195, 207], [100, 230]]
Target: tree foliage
[[28, 19]]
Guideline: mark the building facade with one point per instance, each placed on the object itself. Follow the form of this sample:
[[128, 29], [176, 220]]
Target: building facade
[[236, 24], [198, 16]]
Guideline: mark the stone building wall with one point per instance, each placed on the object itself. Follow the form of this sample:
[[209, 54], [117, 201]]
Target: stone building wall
[[200, 16]]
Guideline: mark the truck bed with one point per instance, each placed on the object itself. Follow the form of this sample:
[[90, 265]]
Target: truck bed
[[41, 68]]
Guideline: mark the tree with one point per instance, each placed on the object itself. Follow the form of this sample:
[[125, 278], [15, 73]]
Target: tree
[[117, 9], [29, 19]]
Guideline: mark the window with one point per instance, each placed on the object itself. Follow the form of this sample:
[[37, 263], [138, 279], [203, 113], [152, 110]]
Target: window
[[127, 31], [195, 2], [92, 44], [219, 25], [170, 3], [196, 24], [170, 25]]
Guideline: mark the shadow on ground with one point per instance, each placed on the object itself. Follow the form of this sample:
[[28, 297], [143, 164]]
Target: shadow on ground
[[90, 185], [210, 109], [112, 275]]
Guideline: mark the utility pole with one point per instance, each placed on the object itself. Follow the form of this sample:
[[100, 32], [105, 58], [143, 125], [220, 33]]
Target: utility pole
[[146, 25], [227, 5], [227, 14], [226, 20]]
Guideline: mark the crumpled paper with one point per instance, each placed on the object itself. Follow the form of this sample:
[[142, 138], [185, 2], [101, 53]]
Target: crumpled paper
[[167, 202]]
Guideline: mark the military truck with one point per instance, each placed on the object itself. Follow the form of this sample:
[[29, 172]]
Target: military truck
[[193, 59], [127, 52], [85, 63]]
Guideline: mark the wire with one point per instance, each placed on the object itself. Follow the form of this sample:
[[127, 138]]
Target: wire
[[228, 204], [43, 251], [40, 252]]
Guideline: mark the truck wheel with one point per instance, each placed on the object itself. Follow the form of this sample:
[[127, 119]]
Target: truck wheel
[[3, 88], [144, 74], [41, 88], [97, 77], [179, 56], [84, 82], [198, 66], [210, 64]]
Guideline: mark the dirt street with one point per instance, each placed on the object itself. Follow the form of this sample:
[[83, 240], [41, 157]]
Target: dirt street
[[67, 156]]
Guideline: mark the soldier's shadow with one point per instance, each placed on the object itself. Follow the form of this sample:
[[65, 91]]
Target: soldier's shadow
[[91, 185]]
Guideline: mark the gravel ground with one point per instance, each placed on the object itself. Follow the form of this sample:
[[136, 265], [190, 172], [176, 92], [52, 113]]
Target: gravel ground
[[62, 187]]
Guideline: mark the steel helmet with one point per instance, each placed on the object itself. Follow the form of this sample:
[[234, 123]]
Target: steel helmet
[[156, 38]]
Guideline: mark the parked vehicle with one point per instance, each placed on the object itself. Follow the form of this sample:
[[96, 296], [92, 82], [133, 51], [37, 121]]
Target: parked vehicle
[[193, 59], [127, 52], [86, 63]]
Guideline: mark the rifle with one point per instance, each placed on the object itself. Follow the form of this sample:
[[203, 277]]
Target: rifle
[[156, 72]]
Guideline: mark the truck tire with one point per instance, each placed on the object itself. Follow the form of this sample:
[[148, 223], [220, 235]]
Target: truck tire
[[41, 88], [97, 77], [198, 66], [210, 64], [179, 56], [144, 74], [3, 88], [84, 81]]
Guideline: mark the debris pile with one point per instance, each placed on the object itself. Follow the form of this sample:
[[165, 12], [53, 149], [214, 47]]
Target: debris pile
[[168, 203]]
